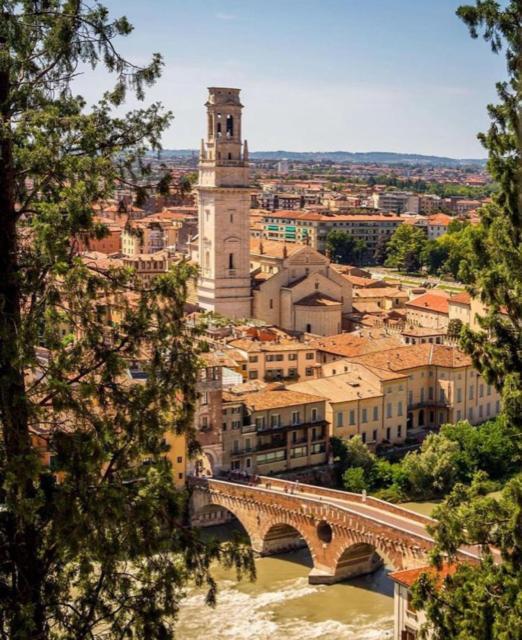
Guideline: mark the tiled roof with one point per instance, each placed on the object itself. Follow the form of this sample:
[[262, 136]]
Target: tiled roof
[[418, 355], [349, 344], [254, 346], [435, 302], [439, 219], [343, 387], [318, 299], [279, 398], [379, 292], [461, 298], [408, 577], [274, 248]]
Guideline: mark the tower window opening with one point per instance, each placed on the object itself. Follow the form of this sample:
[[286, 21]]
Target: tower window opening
[[230, 126], [218, 129], [231, 261], [230, 156]]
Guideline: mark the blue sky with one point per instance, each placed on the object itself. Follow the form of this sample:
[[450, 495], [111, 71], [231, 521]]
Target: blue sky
[[355, 75]]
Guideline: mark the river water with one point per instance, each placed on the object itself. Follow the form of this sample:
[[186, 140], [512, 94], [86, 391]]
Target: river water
[[281, 605]]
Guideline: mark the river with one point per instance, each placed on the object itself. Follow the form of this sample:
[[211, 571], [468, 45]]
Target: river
[[281, 605]]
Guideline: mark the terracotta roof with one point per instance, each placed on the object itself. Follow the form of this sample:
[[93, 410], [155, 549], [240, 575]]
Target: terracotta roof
[[439, 219], [435, 302], [349, 344], [278, 398], [344, 387], [274, 248], [408, 577], [461, 298], [318, 299], [418, 355], [256, 346], [379, 292]]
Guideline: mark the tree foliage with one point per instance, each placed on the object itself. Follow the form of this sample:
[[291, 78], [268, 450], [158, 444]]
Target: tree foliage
[[99, 545], [483, 601], [344, 248], [405, 248]]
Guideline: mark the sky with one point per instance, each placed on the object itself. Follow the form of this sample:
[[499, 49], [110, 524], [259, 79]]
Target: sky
[[318, 75]]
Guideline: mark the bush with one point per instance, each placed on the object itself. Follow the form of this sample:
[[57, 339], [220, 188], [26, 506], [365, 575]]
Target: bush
[[354, 480]]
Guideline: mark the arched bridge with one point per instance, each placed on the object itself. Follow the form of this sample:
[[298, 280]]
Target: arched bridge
[[347, 534]]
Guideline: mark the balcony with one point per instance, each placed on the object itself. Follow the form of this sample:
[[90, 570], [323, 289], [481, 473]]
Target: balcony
[[290, 427], [430, 404]]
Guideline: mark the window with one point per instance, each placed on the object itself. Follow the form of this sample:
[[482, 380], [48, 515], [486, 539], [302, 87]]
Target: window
[[179, 459], [252, 375], [459, 415], [231, 261], [260, 423], [180, 476], [308, 328], [388, 433], [309, 371], [339, 419], [399, 408], [470, 413], [459, 395], [410, 398], [488, 409], [318, 447], [422, 395], [442, 395], [204, 398], [489, 390], [376, 413], [374, 435], [481, 391], [399, 431], [292, 356], [296, 418], [253, 358], [430, 393], [365, 415], [480, 411], [271, 305], [389, 409], [310, 355], [298, 452], [314, 414], [236, 424], [363, 437], [352, 416], [471, 392], [275, 420]]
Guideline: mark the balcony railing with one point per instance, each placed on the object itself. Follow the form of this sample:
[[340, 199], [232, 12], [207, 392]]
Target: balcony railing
[[251, 428], [430, 404]]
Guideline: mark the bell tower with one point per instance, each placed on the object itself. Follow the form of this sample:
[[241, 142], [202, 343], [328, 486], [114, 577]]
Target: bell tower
[[224, 209]]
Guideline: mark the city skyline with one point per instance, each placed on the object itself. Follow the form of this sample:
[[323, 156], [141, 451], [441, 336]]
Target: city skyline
[[316, 76]]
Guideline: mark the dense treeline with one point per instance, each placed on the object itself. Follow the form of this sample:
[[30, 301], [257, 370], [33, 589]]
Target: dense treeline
[[455, 454]]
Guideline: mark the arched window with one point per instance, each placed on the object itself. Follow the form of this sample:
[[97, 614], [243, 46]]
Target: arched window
[[230, 126]]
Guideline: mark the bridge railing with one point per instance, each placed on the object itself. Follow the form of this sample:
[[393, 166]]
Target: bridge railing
[[348, 496]]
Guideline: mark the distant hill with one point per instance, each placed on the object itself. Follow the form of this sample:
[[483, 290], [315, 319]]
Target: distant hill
[[368, 157]]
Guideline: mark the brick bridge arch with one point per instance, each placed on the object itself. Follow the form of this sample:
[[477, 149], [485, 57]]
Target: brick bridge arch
[[346, 535]]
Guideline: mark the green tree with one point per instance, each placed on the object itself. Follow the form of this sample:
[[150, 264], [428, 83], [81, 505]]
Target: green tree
[[381, 250], [106, 547], [354, 479], [344, 248], [483, 600], [454, 327], [405, 248]]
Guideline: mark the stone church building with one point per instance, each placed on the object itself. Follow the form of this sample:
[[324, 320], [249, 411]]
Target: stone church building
[[292, 286]]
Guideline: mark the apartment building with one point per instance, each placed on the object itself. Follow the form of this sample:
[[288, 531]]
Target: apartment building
[[363, 401], [272, 431], [271, 361], [313, 227], [396, 201], [442, 384], [408, 621], [150, 235], [429, 310]]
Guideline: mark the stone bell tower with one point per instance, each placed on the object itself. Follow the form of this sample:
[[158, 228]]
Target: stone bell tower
[[224, 206]]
